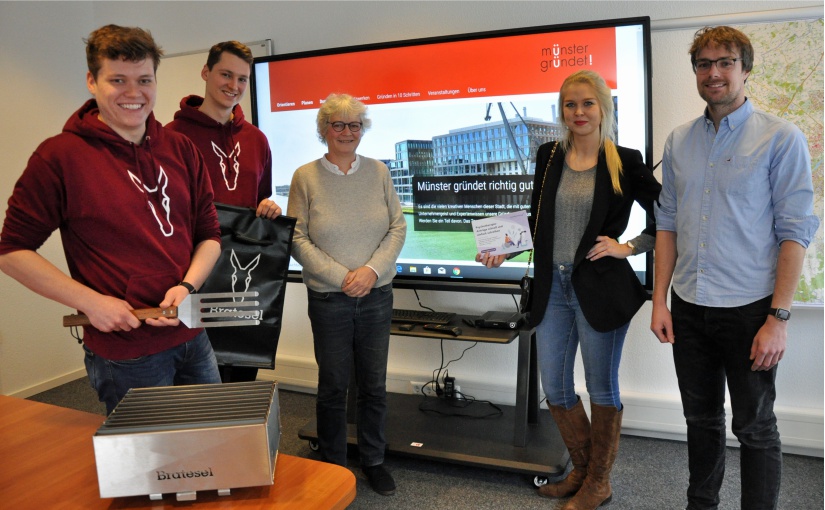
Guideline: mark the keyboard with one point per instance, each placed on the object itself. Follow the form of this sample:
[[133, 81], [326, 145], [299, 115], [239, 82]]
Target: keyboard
[[421, 316]]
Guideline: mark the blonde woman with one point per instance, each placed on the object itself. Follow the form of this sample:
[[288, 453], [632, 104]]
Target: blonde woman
[[585, 292]]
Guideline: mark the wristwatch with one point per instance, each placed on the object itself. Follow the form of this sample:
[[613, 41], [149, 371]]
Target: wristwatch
[[632, 247], [781, 314]]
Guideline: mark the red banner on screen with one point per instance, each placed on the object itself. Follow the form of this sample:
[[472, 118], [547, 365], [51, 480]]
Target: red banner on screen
[[524, 64]]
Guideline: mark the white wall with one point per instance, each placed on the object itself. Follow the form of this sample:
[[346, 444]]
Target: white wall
[[42, 57]]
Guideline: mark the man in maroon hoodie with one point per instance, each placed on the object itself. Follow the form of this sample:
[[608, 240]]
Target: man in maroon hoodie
[[237, 153], [133, 203]]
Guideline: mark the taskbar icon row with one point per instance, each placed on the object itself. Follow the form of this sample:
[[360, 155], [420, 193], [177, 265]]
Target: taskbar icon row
[[427, 270]]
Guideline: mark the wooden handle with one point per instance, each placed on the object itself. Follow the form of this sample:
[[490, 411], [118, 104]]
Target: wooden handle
[[142, 314]]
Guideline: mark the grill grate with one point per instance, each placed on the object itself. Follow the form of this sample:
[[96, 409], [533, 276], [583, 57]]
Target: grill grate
[[182, 407]]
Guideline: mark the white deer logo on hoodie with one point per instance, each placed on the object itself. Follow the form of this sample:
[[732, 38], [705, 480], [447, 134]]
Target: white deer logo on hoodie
[[167, 229], [236, 265], [233, 157]]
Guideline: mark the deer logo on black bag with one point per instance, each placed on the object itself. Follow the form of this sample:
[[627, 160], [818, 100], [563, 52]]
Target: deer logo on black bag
[[247, 269]]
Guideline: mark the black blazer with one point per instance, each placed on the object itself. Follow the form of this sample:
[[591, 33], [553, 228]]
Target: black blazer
[[607, 289]]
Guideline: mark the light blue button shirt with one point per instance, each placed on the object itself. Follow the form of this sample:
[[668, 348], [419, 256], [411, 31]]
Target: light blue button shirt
[[732, 197]]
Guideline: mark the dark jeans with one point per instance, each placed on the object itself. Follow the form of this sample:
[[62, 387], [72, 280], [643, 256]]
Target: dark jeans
[[346, 328], [192, 362], [713, 345]]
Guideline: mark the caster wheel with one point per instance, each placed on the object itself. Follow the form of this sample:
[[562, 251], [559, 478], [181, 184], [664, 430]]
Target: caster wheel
[[540, 480], [313, 445]]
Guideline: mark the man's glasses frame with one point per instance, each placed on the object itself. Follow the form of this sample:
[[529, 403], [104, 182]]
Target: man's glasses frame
[[338, 127], [724, 65]]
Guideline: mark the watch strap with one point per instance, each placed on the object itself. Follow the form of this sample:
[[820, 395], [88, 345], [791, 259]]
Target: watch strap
[[780, 313], [191, 288]]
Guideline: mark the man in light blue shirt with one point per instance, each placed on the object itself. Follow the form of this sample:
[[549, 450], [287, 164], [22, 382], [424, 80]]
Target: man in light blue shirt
[[735, 217]]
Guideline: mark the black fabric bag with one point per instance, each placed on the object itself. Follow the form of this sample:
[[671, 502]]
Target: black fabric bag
[[254, 256]]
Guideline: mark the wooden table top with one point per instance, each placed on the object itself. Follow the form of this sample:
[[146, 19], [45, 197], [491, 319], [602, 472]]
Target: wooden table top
[[47, 462]]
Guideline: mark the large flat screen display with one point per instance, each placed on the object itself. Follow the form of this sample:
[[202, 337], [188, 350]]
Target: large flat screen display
[[458, 121]]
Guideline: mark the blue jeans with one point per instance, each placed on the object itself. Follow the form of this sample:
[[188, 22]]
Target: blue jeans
[[346, 328], [192, 362], [713, 345], [562, 330]]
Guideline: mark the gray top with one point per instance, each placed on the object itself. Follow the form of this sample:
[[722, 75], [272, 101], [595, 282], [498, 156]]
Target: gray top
[[345, 222], [574, 202]]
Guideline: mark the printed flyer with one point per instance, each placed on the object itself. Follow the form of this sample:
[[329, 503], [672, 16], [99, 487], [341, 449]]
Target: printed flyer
[[503, 234]]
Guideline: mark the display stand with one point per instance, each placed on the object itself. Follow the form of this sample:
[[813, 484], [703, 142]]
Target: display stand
[[524, 440]]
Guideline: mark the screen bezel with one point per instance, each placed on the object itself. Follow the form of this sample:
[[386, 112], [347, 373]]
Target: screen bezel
[[504, 286]]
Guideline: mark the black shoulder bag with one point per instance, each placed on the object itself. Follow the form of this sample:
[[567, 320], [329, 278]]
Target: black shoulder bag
[[526, 301]]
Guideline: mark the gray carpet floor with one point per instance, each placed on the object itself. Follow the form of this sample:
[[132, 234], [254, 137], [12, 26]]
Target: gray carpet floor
[[649, 474]]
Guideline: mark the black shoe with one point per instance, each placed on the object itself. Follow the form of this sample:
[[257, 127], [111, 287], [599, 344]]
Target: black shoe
[[380, 480]]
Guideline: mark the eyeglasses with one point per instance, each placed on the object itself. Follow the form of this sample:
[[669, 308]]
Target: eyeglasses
[[724, 65], [354, 127]]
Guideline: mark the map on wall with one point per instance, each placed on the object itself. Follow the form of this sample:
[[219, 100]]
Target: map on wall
[[787, 81]]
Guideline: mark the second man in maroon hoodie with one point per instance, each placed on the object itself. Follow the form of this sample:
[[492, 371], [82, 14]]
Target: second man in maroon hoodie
[[237, 153]]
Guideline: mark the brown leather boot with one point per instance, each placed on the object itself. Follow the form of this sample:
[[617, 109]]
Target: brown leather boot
[[575, 431], [605, 429]]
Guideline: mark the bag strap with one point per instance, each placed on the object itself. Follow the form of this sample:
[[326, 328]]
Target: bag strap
[[538, 208]]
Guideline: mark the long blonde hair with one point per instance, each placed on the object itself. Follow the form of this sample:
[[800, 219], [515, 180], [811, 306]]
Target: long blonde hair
[[606, 128]]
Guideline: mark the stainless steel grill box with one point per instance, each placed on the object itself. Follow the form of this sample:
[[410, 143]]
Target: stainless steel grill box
[[184, 439]]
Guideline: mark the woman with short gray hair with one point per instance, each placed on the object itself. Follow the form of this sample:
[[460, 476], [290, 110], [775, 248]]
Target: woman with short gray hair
[[348, 236]]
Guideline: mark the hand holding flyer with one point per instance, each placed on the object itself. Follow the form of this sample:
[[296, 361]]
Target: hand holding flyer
[[506, 233]]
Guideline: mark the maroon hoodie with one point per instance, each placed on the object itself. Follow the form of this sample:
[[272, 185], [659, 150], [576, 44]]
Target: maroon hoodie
[[237, 154], [129, 216]]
